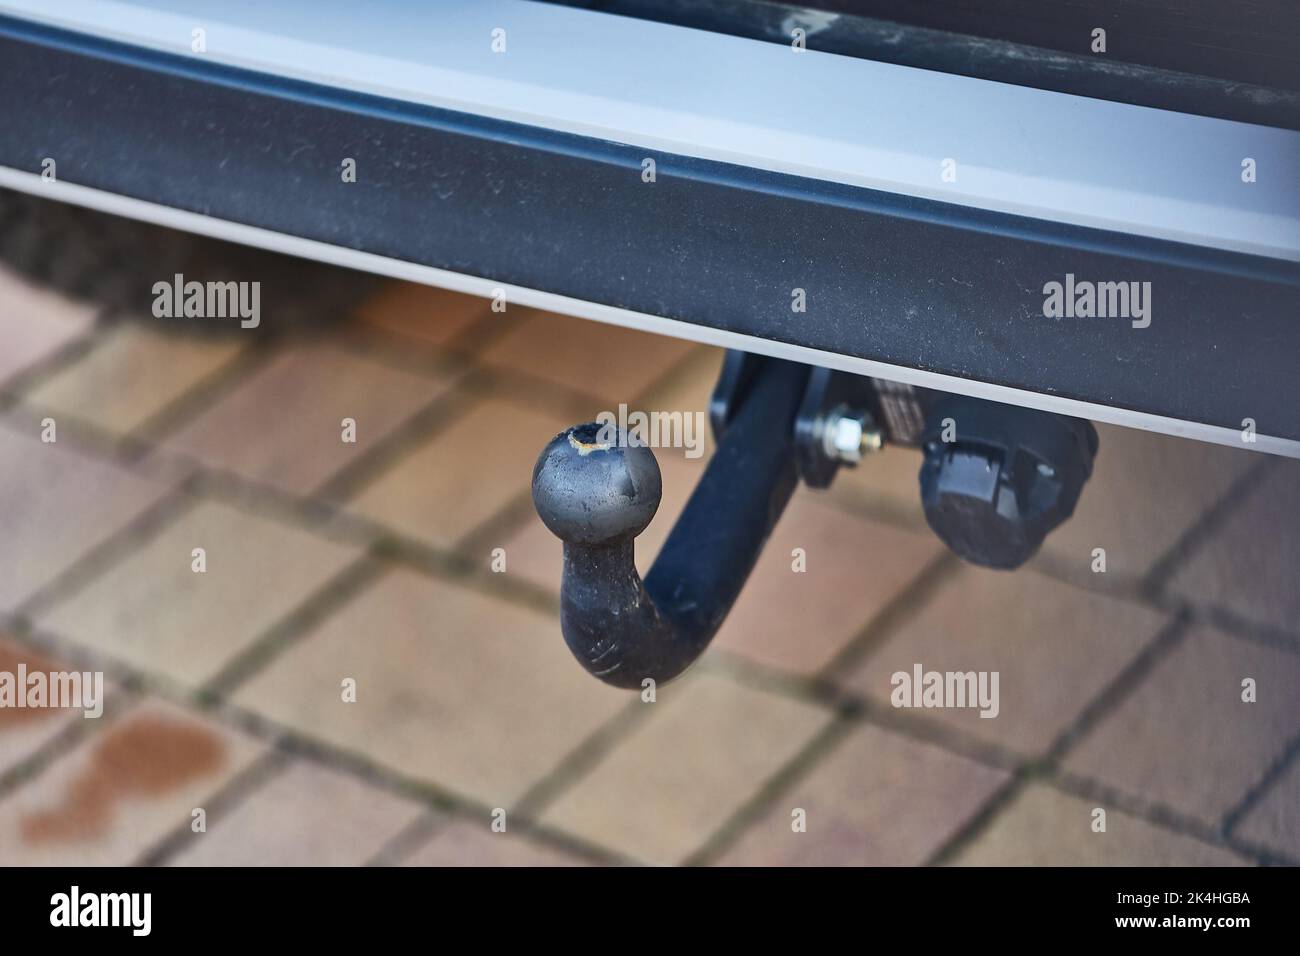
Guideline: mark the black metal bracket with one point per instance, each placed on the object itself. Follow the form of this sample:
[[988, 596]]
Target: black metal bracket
[[830, 398]]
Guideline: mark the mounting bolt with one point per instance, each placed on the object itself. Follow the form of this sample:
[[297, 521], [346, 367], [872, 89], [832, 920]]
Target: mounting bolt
[[848, 436]]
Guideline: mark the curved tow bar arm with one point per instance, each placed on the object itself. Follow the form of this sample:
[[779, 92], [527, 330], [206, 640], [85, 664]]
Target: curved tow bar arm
[[596, 491]]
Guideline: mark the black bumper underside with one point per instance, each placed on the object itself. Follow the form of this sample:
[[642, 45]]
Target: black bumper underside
[[913, 283]]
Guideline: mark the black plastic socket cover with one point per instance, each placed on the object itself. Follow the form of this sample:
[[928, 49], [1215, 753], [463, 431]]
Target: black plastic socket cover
[[997, 479]]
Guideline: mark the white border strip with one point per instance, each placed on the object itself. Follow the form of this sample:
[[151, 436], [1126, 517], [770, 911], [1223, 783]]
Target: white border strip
[[668, 89], [550, 302]]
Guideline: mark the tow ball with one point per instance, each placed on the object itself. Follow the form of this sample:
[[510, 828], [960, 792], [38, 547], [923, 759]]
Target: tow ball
[[995, 480]]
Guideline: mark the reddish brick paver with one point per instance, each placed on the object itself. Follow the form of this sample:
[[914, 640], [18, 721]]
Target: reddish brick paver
[[24, 732], [560, 349], [122, 791], [422, 314]]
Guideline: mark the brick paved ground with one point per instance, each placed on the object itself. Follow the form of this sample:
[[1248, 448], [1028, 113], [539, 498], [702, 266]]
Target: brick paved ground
[[371, 562]]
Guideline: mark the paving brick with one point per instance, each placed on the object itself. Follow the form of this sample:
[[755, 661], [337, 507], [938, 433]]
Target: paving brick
[[691, 383], [1250, 565], [688, 389], [1185, 738], [154, 612], [284, 425], [475, 695], [463, 843], [799, 621], [885, 482], [37, 322], [443, 489], [1044, 827], [878, 799], [23, 731], [121, 791], [1146, 491], [605, 361], [1055, 648], [707, 747], [532, 554], [129, 377], [1275, 820], [57, 505], [307, 815], [422, 312]]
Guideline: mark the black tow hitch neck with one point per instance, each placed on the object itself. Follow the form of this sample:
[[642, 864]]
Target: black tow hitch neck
[[598, 495]]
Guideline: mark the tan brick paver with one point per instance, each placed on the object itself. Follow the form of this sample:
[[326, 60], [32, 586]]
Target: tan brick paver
[[1054, 647], [36, 322], [1185, 738], [1045, 827], [854, 567], [887, 482], [878, 799], [1275, 820], [1146, 491], [464, 843], [306, 815], [704, 749], [152, 611], [57, 504], [1250, 565], [447, 486], [284, 426], [471, 694], [130, 376]]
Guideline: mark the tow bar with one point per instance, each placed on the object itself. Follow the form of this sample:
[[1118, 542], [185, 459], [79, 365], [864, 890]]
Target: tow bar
[[995, 480]]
